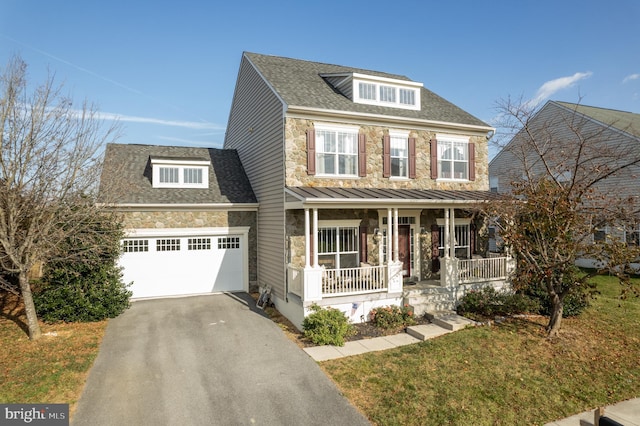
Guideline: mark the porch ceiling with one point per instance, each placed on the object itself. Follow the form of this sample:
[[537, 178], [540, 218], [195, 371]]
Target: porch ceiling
[[306, 196]]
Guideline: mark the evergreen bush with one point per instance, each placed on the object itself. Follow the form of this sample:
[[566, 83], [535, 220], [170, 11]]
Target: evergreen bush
[[326, 326]]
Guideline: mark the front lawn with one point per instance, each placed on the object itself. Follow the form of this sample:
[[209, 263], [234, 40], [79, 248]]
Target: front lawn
[[50, 370], [505, 374]]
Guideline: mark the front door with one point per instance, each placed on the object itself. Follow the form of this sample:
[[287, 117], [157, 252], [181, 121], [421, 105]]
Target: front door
[[404, 248]]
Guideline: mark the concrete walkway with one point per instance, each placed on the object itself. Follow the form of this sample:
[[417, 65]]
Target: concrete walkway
[[626, 413], [415, 334]]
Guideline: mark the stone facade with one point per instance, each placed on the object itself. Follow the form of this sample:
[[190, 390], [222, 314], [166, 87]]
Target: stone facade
[[369, 218], [296, 161], [199, 219]]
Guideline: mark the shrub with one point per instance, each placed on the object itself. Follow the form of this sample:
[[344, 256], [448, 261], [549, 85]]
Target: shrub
[[393, 316], [86, 284], [326, 326], [92, 295], [488, 302], [573, 304]]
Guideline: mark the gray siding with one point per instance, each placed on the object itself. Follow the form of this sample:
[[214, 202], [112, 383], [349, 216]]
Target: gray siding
[[559, 127], [255, 129]]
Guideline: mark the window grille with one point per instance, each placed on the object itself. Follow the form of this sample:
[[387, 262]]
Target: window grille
[[228, 243], [199, 244], [169, 175], [169, 244], [134, 246], [192, 175], [338, 247]]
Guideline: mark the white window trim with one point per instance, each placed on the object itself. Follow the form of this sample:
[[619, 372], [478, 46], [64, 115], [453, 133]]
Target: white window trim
[[457, 222], [338, 128], [338, 224], [413, 86], [453, 138], [403, 134], [181, 165]]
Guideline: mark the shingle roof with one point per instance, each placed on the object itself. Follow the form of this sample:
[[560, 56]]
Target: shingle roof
[[130, 167], [299, 83], [378, 194], [622, 120]]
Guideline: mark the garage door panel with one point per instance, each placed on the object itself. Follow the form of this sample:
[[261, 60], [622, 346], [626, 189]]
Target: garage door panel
[[170, 266]]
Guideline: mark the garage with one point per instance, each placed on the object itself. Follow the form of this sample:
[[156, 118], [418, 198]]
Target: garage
[[186, 262]]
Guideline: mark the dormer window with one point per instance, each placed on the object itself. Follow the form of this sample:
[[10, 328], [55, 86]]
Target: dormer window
[[367, 91], [387, 94], [376, 90], [180, 172], [373, 90]]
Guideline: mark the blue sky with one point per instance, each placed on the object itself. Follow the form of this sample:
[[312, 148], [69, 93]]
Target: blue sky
[[167, 69]]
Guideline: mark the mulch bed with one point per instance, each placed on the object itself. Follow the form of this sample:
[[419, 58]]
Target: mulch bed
[[367, 330], [364, 330]]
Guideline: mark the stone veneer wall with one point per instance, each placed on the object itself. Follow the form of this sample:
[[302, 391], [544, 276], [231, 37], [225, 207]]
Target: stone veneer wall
[[295, 231], [199, 219], [369, 218], [296, 161]]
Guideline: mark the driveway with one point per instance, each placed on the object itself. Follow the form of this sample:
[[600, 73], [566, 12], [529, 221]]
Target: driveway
[[206, 360]]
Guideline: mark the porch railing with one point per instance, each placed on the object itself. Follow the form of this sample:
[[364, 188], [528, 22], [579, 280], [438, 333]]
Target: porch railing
[[341, 282], [295, 278], [479, 270], [366, 279]]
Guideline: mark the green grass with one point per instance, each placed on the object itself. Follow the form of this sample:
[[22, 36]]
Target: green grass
[[505, 374], [50, 370]]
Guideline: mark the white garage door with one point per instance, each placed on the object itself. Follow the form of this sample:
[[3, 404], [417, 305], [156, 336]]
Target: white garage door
[[179, 265]]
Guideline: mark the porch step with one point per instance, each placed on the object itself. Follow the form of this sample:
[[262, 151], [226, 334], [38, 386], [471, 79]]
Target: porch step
[[429, 300], [427, 331], [449, 320]]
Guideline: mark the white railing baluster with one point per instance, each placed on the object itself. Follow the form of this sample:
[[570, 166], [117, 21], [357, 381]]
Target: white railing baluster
[[479, 270], [366, 279]]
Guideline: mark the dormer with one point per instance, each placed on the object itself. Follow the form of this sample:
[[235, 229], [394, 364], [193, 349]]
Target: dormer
[[176, 172], [376, 90]]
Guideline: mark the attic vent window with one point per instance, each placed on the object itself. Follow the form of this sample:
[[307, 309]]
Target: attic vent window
[[376, 90], [367, 91], [407, 97], [389, 92], [180, 172]]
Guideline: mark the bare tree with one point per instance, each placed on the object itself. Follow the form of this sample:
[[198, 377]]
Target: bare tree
[[49, 170], [566, 176]]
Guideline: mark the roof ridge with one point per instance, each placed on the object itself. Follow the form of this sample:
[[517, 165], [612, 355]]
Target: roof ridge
[[346, 67], [595, 107]]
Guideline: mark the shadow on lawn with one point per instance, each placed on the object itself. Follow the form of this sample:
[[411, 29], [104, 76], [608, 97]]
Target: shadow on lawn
[[11, 308]]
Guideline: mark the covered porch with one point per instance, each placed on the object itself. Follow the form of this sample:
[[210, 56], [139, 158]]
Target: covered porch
[[431, 236]]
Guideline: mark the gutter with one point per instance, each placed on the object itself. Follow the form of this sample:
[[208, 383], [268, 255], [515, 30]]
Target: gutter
[[185, 206], [292, 109]]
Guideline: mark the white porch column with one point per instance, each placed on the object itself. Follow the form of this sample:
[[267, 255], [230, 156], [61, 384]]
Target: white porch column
[[312, 284], [446, 233], [307, 249], [395, 235], [452, 232], [389, 237], [315, 238]]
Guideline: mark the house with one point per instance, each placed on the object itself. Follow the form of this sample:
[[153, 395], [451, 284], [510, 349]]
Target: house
[[366, 182], [609, 138], [190, 218]]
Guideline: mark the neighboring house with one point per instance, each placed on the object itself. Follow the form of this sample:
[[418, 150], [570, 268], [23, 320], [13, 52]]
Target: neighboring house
[[190, 218], [562, 124], [366, 183]]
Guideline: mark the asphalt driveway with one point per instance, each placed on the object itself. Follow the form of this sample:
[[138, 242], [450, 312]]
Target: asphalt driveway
[[206, 360]]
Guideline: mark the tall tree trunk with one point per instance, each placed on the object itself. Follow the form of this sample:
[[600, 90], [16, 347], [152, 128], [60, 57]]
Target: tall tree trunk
[[557, 307], [29, 307]]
